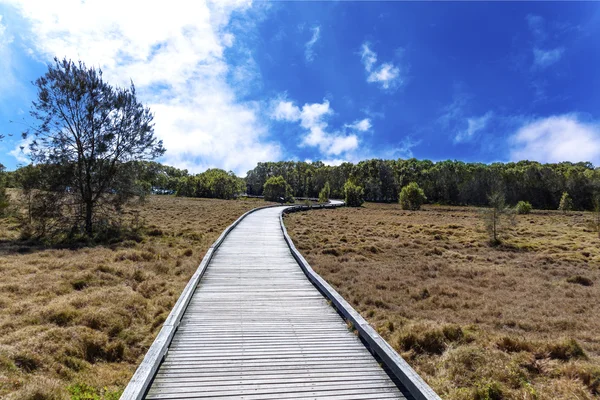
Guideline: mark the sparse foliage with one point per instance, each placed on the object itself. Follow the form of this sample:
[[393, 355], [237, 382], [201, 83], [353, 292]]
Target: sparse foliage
[[498, 217], [353, 194], [566, 203], [523, 207], [324, 193], [412, 197], [277, 189], [4, 201], [87, 134]]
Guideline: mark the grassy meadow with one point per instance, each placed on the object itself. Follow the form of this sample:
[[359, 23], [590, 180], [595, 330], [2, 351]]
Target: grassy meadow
[[518, 321], [76, 323]]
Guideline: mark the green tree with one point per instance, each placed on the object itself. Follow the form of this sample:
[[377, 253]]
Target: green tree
[[412, 197], [523, 207], [353, 194], [87, 133], [498, 217], [566, 203], [4, 200], [277, 189], [324, 193]]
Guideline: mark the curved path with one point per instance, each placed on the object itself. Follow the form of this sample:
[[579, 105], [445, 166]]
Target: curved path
[[257, 328]]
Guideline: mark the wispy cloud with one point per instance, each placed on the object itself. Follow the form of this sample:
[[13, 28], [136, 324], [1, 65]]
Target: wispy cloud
[[309, 53], [387, 75], [458, 120], [556, 139], [474, 126], [536, 26], [362, 125], [545, 58], [404, 148], [312, 118], [176, 57], [368, 57]]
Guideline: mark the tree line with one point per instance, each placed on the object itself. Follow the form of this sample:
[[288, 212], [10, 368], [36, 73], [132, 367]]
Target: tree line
[[444, 182]]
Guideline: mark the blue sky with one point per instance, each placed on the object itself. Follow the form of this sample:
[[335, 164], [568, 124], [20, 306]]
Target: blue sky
[[235, 83]]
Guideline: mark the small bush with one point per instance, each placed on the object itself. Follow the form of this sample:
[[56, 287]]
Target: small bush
[[580, 280], [567, 350], [566, 203], [523, 207], [510, 345], [277, 189], [62, 317], [324, 193], [412, 197], [353, 194], [488, 391], [430, 342], [82, 391]]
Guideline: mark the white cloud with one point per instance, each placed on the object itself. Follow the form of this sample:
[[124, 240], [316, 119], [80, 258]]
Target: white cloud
[[556, 139], [536, 26], [312, 120], [387, 75], [8, 81], [174, 52], [368, 57], [21, 151], [545, 58], [286, 111], [362, 126], [309, 53], [474, 125]]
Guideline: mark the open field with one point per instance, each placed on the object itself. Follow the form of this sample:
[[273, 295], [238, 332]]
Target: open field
[[520, 321], [77, 322]]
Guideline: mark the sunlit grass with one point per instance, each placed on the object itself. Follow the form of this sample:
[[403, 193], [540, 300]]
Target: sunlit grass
[[73, 319], [517, 321]]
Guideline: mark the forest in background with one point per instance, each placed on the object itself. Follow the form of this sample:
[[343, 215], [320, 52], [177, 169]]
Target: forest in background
[[444, 182]]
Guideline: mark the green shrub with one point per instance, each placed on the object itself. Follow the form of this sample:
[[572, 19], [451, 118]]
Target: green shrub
[[412, 197], [353, 194], [567, 350], [488, 391], [580, 280], [277, 189], [566, 203], [324, 193], [523, 207]]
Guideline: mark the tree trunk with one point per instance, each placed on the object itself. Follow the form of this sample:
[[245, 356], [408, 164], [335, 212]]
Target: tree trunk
[[88, 217]]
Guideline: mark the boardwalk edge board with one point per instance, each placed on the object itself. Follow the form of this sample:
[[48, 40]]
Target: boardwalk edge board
[[417, 387], [140, 382]]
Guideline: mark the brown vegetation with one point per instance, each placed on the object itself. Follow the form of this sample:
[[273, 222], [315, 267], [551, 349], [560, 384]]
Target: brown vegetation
[[78, 322], [517, 321]]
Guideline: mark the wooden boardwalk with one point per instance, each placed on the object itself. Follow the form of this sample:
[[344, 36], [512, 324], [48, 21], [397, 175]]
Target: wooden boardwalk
[[256, 328]]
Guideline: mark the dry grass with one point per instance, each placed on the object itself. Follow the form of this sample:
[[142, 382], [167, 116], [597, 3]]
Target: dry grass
[[76, 323], [518, 321]]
